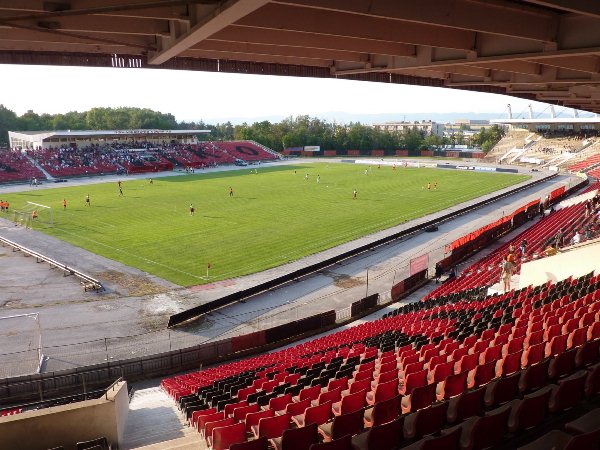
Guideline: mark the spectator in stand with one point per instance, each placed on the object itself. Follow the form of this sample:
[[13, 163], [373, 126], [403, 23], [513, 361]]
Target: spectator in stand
[[559, 238], [506, 273], [576, 239], [523, 247], [451, 274], [438, 272], [550, 250]]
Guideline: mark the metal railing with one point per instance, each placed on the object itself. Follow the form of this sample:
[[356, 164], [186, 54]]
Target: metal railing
[[87, 281]]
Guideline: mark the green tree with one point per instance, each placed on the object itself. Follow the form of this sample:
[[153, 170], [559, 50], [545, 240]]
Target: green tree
[[8, 122]]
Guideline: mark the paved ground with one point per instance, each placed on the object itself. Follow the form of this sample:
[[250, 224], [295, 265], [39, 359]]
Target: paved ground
[[129, 320]]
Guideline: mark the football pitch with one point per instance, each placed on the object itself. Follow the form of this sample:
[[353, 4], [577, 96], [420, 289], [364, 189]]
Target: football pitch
[[274, 216]]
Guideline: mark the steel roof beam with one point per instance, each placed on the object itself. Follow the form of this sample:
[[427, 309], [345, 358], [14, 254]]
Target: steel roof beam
[[220, 17], [525, 22], [585, 7], [237, 33], [327, 23]]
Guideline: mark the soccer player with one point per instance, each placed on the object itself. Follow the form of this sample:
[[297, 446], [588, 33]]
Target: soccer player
[[354, 194], [435, 185], [64, 204], [151, 181], [306, 177], [230, 191], [318, 179], [428, 186], [87, 200], [34, 214], [192, 209]]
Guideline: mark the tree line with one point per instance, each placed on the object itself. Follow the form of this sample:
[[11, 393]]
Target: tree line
[[290, 132]]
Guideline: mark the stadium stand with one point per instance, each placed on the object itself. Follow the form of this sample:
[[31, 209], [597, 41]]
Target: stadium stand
[[595, 173], [247, 150], [586, 165], [492, 367], [513, 139], [14, 166], [73, 161], [133, 157], [556, 149], [486, 271]]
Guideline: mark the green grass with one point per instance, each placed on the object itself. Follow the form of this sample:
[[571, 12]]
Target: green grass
[[275, 216]]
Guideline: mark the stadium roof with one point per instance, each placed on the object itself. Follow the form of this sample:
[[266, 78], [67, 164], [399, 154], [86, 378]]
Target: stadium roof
[[553, 120], [88, 133], [547, 50]]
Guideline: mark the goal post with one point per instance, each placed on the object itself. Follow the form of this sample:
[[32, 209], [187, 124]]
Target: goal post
[[22, 333], [32, 214]]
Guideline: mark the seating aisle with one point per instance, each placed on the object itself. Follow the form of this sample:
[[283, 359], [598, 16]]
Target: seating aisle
[[154, 423]]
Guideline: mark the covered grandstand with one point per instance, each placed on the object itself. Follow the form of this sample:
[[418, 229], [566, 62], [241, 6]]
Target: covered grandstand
[[555, 125], [62, 154], [42, 140], [559, 143]]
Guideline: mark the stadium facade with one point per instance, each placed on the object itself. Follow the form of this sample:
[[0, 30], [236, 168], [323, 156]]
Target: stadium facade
[[555, 124], [55, 139]]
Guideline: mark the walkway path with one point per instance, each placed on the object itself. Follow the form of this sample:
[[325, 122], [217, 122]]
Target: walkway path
[[155, 423]]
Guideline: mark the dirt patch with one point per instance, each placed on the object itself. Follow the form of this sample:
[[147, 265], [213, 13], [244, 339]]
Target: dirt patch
[[155, 310], [13, 304], [136, 285], [344, 281], [153, 323]]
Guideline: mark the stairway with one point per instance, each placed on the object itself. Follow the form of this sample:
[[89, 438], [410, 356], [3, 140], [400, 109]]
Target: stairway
[[266, 149], [154, 423], [35, 163]]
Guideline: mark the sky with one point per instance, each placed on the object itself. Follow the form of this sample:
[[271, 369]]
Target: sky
[[218, 97]]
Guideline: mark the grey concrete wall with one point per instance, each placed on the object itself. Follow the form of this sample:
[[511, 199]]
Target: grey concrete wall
[[575, 261], [68, 424]]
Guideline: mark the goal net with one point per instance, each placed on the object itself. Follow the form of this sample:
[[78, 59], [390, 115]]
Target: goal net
[[33, 215], [21, 352]]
